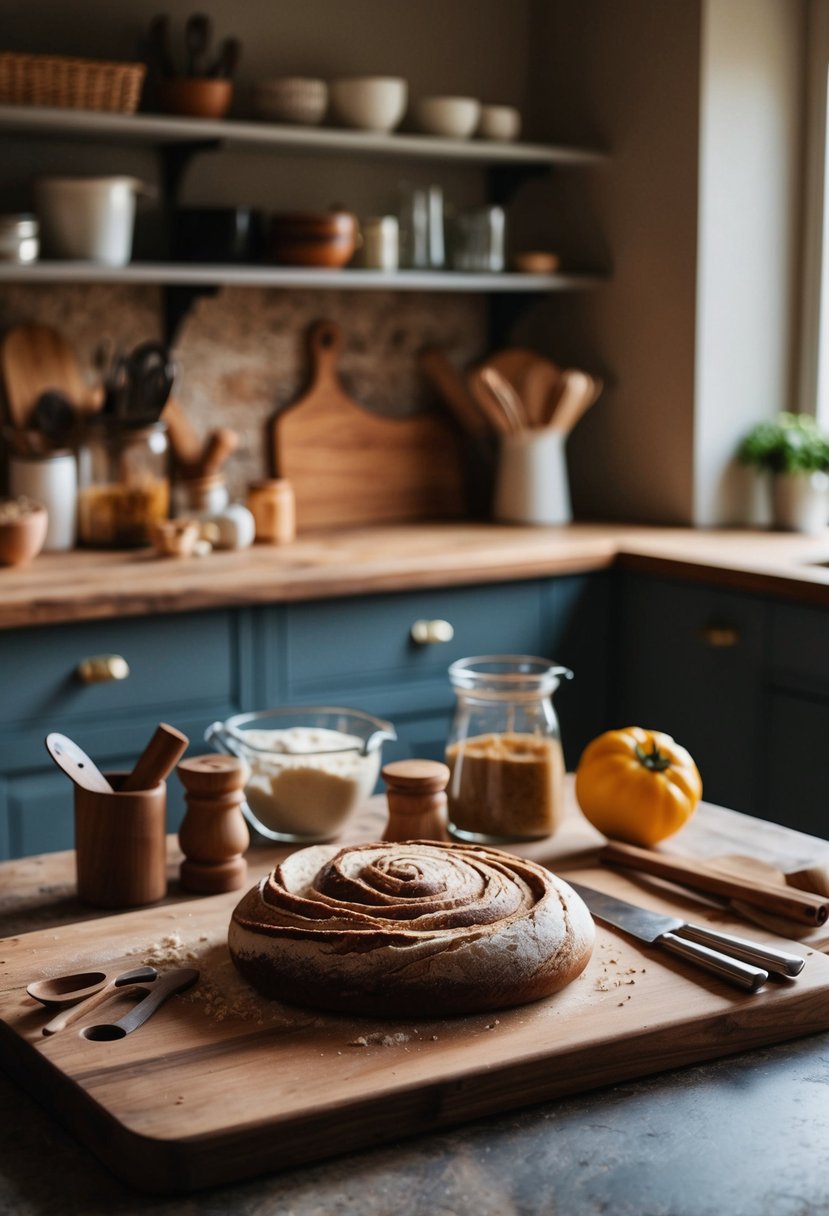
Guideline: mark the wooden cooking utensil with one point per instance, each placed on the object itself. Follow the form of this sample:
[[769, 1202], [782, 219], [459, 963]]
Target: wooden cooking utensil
[[501, 420], [701, 876], [76, 764], [158, 759], [140, 975], [507, 397], [67, 989], [184, 440], [348, 465], [456, 396], [532, 375], [578, 392], [36, 358], [220, 444]]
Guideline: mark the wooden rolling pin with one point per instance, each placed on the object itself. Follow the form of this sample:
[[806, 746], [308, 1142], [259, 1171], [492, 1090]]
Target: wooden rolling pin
[[807, 908], [158, 759]]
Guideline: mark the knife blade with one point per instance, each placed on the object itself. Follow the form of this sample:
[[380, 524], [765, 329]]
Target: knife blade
[[735, 959]]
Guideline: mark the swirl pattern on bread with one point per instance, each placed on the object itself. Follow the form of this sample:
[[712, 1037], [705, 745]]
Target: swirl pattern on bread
[[418, 928]]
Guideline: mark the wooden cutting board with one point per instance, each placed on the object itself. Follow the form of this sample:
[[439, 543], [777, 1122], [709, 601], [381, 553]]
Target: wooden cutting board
[[222, 1085], [350, 466]]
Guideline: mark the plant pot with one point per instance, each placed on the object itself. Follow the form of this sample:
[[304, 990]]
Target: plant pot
[[800, 501]]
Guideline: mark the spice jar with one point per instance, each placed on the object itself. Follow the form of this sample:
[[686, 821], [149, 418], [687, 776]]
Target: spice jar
[[271, 503], [504, 749], [124, 487]]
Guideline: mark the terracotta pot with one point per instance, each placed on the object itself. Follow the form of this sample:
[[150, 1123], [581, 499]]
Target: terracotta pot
[[196, 97], [22, 538]]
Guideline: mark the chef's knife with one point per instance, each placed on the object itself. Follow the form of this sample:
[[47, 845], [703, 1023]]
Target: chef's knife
[[735, 959]]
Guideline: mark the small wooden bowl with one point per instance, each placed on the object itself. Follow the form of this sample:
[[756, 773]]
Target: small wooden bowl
[[325, 239], [196, 97], [22, 537], [536, 261]]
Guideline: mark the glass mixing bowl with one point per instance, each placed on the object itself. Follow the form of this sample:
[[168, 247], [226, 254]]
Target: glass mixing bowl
[[308, 767]]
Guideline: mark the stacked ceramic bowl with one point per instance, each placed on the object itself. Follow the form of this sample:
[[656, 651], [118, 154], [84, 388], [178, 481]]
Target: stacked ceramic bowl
[[293, 99], [370, 103]]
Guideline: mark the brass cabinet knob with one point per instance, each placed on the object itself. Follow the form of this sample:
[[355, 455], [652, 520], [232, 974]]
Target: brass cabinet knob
[[720, 635], [431, 633], [102, 668]]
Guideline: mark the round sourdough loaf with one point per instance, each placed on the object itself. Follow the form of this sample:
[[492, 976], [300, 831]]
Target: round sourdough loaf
[[414, 928]]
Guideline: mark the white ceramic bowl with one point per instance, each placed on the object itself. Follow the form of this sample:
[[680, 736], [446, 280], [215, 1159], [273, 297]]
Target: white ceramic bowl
[[299, 99], [499, 122], [455, 117], [370, 103]]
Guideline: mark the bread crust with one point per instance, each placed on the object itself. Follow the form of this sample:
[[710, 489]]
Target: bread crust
[[414, 929]]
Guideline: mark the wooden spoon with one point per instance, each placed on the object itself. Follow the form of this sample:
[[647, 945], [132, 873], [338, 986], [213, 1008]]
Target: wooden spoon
[[579, 391], [461, 404], [67, 989], [139, 975]]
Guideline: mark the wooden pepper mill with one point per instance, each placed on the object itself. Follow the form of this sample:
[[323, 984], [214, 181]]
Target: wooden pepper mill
[[213, 834], [416, 798]]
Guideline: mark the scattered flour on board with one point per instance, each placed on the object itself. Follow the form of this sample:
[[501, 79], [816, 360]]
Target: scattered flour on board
[[221, 991]]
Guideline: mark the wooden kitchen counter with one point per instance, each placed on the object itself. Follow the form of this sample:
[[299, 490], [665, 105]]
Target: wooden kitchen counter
[[90, 584], [742, 1135]]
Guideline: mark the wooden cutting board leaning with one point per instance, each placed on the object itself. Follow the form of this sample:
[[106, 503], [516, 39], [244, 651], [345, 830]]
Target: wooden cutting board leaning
[[350, 466], [221, 1084]]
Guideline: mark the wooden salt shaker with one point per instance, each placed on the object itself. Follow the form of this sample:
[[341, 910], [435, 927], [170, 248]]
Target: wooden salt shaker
[[416, 798], [213, 834]]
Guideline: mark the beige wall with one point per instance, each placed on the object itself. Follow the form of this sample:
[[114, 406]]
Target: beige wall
[[695, 215], [752, 100]]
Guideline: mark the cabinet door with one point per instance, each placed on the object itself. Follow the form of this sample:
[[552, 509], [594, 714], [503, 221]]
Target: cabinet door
[[577, 635], [362, 652], [690, 661], [797, 763]]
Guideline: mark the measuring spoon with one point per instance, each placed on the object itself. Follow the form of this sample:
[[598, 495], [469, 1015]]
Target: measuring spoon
[[76, 764], [166, 985], [139, 975], [67, 989]]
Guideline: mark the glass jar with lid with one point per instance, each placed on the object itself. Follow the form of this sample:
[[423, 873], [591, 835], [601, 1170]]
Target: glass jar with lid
[[504, 749], [123, 484]]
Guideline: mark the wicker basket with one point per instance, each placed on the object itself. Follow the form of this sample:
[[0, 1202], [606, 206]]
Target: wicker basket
[[82, 84]]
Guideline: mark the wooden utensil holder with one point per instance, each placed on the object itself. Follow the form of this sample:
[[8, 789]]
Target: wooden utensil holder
[[120, 845]]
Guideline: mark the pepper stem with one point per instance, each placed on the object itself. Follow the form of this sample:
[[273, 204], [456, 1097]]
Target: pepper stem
[[654, 760]]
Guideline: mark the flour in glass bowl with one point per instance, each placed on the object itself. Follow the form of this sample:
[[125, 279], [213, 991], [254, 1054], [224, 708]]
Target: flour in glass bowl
[[305, 780]]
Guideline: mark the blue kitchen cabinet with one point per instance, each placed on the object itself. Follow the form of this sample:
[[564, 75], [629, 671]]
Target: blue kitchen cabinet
[[691, 662], [187, 670], [364, 653], [795, 744]]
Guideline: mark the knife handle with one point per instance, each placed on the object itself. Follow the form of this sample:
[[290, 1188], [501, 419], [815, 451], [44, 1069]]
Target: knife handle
[[777, 961], [729, 969]]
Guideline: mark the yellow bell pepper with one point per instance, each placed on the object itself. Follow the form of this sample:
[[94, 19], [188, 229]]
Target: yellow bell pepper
[[637, 785]]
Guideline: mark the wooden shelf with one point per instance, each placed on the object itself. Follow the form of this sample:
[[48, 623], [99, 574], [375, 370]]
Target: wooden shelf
[[94, 126], [172, 274]]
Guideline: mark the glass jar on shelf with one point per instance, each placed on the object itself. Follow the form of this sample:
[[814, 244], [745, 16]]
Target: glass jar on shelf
[[504, 749], [123, 483]]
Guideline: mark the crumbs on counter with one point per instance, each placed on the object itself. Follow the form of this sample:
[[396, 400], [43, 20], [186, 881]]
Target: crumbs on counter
[[623, 976], [220, 991], [380, 1039]]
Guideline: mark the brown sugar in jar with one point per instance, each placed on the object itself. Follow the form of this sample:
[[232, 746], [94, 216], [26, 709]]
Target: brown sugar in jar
[[505, 786]]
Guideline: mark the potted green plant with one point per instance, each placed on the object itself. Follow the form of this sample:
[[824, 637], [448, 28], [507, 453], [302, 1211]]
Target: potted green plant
[[794, 449]]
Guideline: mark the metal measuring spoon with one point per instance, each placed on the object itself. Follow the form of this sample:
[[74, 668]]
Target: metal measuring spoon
[[165, 986]]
